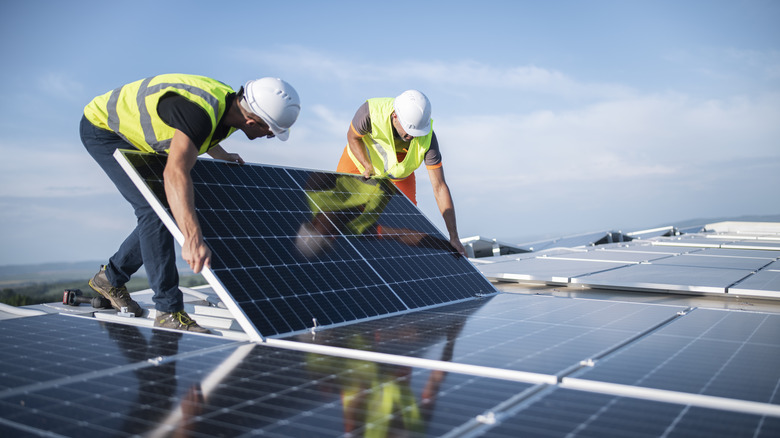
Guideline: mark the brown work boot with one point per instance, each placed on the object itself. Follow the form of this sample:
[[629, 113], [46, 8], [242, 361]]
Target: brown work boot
[[119, 296], [178, 321]]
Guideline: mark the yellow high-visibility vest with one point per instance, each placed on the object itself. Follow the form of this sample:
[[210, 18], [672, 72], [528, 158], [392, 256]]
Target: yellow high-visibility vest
[[381, 146], [131, 110]]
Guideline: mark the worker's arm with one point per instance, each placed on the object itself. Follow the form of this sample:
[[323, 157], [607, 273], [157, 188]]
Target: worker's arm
[[359, 151], [441, 191], [182, 155], [220, 154]]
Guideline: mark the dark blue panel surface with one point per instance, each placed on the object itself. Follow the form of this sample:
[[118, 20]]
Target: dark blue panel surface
[[711, 352], [51, 347], [519, 332], [147, 382], [291, 246], [567, 413]]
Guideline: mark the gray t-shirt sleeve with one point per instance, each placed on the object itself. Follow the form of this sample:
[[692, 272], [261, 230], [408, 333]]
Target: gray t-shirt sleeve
[[433, 155], [361, 123]]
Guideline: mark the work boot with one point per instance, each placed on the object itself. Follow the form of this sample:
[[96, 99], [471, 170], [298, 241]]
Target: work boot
[[119, 296], [178, 321]]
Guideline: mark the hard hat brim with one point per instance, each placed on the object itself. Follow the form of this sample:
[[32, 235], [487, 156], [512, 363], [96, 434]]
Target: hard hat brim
[[283, 136], [419, 132]]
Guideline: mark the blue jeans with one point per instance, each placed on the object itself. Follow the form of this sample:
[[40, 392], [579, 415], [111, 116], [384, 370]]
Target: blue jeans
[[150, 244]]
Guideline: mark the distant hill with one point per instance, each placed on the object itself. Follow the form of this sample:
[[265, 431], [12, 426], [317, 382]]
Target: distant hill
[[12, 275], [21, 275]]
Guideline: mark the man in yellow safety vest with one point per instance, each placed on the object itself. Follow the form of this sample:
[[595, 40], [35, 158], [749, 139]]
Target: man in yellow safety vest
[[392, 137], [182, 116]]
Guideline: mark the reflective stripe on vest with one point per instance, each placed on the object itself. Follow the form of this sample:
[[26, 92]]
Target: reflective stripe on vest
[[380, 143], [146, 136]]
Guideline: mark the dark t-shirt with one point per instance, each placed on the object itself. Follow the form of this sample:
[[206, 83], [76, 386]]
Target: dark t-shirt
[[180, 113], [361, 123]]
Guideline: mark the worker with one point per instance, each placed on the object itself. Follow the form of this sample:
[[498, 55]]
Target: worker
[[182, 116], [391, 138]]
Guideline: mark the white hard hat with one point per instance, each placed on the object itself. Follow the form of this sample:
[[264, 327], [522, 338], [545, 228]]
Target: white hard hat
[[414, 112], [276, 102]]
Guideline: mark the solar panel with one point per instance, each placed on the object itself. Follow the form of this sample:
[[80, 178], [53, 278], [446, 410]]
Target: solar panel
[[509, 332], [688, 264], [49, 348], [762, 283], [741, 350], [566, 413], [208, 386], [292, 248], [125, 380], [546, 269], [666, 277]]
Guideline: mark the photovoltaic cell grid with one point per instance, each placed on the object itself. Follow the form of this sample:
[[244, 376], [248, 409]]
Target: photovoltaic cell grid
[[211, 387], [671, 351], [548, 335], [52, 347], [566, 413], [294, 248], [711, 352], [125, 380]]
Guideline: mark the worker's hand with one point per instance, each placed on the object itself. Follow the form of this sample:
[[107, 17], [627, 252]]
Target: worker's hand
[[233, 158], [218, 153], [196, 254], [458, 246], [368, 172]]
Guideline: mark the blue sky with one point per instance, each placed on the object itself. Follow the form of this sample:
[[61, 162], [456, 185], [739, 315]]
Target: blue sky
[[554, 117]]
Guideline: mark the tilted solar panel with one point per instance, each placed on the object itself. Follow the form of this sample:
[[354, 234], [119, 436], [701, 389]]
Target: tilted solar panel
[[295, 248]]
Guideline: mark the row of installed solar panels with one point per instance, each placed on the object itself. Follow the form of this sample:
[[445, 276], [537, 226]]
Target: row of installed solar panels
[[740, 258]]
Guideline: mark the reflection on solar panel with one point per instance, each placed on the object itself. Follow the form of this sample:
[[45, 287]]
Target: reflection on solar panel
[[293, 248]]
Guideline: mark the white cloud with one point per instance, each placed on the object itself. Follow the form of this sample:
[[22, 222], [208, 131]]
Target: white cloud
[[628, 159], [464, 77], [61, 170], [764, 63], [650, 135], [728, 68]]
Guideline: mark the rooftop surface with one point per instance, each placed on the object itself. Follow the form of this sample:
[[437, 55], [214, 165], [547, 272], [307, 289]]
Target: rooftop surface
[[550, 354]]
